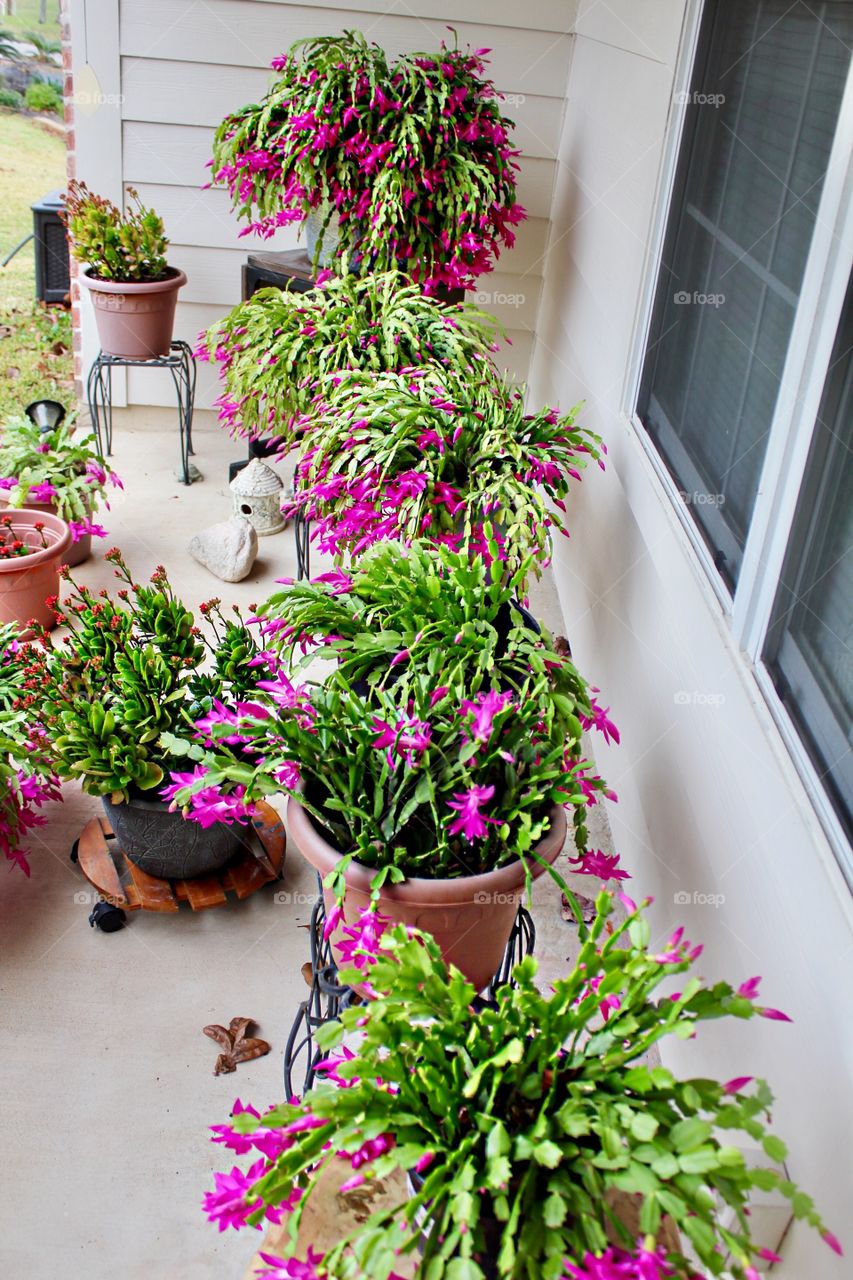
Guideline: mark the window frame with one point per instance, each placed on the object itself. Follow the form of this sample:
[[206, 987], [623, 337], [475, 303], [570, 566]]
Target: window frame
[[824, 286]]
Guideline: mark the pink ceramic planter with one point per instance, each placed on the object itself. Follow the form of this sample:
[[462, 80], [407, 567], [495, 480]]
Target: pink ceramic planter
[[135, 320], [470, 917], [27, 581], [78, 551]]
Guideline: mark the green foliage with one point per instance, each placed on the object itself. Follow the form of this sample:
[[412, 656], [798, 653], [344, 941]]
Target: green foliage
[[412, 152], [70, 465], [41, 95], [11, 98], [115, 246], [534, 1112], [130, 671], [420, 637], [462, 428], [279, 348]]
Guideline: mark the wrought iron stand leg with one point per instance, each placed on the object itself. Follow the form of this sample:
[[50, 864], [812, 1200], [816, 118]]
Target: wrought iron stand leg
[[302, 535], [92, 398]]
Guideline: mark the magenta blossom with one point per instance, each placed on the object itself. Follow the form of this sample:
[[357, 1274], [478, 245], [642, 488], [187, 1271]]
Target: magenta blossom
[[596, 863], [470, 822], [43, 492], [292, 1268], [618, 1264], [484, 708]]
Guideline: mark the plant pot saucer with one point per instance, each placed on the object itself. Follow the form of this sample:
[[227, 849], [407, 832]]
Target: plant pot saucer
[[118, 882]]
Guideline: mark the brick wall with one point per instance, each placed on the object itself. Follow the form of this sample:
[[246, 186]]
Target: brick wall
[[71, 172]]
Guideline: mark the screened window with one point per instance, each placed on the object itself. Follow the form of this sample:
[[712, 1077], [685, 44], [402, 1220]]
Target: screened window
[[760, 121]]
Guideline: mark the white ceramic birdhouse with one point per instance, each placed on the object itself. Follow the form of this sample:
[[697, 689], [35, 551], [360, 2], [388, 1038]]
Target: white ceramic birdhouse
[[256, 493]]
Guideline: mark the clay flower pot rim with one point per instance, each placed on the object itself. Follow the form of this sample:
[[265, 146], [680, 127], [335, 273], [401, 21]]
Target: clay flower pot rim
[[419, 891], [173, 279], [52, 524]]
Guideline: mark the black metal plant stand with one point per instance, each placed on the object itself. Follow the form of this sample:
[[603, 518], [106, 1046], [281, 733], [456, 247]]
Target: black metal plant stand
[[327, 998], [302, 537], [99, 391]]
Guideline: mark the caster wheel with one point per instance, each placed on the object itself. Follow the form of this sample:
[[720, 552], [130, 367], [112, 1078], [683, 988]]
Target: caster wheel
[[75, 851], [106, 917]]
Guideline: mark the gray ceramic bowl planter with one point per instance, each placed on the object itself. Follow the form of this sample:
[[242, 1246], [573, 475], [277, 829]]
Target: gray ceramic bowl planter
[[167, 845]]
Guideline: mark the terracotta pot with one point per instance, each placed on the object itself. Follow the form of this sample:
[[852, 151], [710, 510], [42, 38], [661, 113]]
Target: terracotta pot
[[470, 917], [135, 319], [77, 551], [168, 845], [27, 581]]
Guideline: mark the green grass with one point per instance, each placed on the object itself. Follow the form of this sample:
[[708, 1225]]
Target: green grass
[[26, 19], [35, 341]]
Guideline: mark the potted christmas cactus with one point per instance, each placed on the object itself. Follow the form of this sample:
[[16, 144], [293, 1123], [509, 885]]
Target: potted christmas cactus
[[55, 471], [33, 545], [128, 670], [133, 289], [405, 162], [438, 452], [537, 1137], [429, 767], [278, 349], [26, 774]]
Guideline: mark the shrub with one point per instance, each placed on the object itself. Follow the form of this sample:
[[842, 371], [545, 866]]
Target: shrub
[[11, 98], [43, 96]]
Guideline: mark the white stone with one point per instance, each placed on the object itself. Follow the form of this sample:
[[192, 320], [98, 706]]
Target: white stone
[[227, 549]]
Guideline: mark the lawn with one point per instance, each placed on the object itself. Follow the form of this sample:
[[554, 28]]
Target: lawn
[[26, 19], [35, 341]]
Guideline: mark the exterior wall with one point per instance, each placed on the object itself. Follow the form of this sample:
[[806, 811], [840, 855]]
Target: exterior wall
[[709, 803], [177, 69]]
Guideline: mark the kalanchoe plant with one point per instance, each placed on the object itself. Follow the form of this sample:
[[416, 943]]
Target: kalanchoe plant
[[26, 777], [116, 246], [12, 547], [439, 453], [55, 467], [412, 157], [437, 744], [521, 1123], [278, 348], [131, 669]]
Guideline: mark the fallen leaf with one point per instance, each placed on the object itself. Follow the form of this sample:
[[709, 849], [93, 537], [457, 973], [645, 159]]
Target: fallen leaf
[[58, 349], [237, 1045], [13, 371]]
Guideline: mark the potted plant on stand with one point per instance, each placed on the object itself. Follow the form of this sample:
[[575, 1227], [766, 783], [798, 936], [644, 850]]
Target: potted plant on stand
[[428, 769], [26, 775], [54, 471], [129, 670], [33, 545], [407, 162], [278, 350], [438, 452], [133, 290], [537, 1138]]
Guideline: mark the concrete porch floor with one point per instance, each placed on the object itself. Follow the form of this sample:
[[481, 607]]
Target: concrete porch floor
[[108, 1084]]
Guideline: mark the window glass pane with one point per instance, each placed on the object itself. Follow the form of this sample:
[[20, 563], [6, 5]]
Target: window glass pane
[[760, 122], [810, 643]]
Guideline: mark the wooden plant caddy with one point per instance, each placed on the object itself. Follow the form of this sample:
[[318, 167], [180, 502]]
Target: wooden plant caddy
[[121, 884]]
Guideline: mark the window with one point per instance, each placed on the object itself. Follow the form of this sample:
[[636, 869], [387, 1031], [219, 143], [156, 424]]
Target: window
[[744, 384], [809, 649], [761, 118]]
